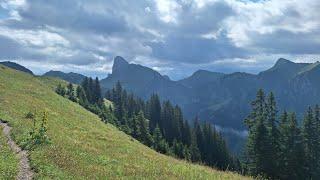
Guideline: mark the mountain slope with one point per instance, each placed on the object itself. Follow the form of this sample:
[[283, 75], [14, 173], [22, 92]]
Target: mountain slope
[[83, 147], [16, 66], [74, 78], [224, 99], [143, 81]]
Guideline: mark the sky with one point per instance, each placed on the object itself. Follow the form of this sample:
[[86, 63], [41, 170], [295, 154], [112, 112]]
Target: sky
[[174, 37]]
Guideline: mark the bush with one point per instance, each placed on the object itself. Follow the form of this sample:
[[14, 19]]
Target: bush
[[30, 115], [38, 134]]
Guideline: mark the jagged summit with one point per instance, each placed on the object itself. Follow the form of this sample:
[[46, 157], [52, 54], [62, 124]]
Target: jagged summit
[[282, 61], [119, 63]]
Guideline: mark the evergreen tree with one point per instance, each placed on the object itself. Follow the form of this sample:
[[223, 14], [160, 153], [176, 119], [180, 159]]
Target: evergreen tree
[[154, 109], [186, 134], [159, 143], [194, 150], [82, 98], [311, 145], [273, 136], [143, 133], [317, 139], [261, 143], [61, 90], [256, 115], [177, 124], [292, 156], [167, 121], [97, 92], [70, 92]]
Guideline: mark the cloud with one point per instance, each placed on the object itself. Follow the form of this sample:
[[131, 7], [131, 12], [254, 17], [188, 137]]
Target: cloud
[[175, 37]]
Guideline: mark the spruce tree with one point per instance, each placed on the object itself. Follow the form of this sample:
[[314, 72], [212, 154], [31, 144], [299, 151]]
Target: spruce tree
[[61, 90], [255, 118], [143, 130], [70, 92], [310, 144], [97, 92], [273, 136], [154, 108], [317, 139], [82, 98], [194, 150], [159, 144], [292, 156]]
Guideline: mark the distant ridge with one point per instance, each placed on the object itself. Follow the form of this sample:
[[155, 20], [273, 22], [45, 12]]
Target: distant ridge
[[74, 78], [223, 99], [16, 66]]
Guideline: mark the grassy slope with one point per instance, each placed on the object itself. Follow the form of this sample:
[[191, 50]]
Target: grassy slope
[[8, 160], [82, 146]]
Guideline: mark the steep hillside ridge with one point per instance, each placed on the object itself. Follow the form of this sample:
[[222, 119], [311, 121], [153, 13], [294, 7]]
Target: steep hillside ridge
[[16, 66], [83, 147]]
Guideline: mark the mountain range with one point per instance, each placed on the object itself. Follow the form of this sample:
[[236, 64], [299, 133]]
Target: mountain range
[[222, 99]]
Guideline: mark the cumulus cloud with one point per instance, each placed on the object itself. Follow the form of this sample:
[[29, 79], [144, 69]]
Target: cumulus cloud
[[175, 37]]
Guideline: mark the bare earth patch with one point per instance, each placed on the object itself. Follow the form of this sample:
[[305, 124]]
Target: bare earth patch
[[25, 172]]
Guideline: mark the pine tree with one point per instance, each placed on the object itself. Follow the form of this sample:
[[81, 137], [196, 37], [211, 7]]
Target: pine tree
[[194, 150], [292, 157], [159, 144], [70, 93], [177, 124], [317, 139], [167, 121], [255, 118], [143, 133], [310, 144], [199, 138], [97, 92], [261, 146], [61, 90], [186, 134], [82, 98], [157, 138], [154, 108], [273, 136]]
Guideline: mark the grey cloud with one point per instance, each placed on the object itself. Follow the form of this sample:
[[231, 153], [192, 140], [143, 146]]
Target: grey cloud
[[287, 42], [98, 30], [196, 49]]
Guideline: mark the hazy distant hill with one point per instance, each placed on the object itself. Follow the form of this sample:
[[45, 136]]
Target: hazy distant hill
[[223, 99], [16, 66], [70, 77]]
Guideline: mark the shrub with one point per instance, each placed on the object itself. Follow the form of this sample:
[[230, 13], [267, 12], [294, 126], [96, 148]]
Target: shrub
[[30, 115], [38, 134]]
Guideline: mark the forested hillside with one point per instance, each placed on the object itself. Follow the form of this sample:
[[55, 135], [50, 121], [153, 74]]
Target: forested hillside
[[65, 141], [278, 147], [222, 99]]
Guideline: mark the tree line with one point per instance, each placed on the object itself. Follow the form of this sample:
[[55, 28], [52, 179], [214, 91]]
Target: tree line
[[278, 147], [159, 125]]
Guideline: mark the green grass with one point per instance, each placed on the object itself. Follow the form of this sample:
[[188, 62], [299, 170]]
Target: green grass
[[8, 159], [83, 147]]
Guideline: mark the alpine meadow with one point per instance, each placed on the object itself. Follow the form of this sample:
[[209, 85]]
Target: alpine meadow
[[160, 89]]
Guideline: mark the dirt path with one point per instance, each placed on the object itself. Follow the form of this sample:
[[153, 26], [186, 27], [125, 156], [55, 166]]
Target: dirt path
[[25, 172]]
